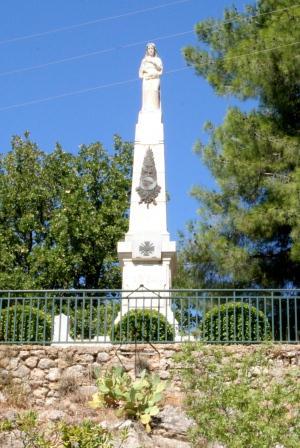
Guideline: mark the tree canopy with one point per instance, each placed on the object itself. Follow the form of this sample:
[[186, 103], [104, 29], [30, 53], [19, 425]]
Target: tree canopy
[[61, 215], [249, 227]]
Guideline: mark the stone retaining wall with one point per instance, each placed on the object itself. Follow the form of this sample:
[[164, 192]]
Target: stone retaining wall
[[46, 374]]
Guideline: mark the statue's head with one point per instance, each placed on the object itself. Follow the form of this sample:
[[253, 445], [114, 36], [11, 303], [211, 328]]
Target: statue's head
[[151, 49]]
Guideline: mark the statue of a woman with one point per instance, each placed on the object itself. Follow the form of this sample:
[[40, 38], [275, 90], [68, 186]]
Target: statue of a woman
[[150, 71]]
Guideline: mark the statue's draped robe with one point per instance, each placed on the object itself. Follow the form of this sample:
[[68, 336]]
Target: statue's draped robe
[[151, 82]]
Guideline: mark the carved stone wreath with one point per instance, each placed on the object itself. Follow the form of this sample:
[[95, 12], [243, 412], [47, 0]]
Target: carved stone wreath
[[148, 189], [146, 248]]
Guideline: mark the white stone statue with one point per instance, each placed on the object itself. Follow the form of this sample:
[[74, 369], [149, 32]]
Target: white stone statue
[[150, 71]]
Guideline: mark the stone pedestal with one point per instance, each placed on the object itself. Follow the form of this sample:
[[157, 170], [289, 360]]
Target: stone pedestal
[[147, 255]]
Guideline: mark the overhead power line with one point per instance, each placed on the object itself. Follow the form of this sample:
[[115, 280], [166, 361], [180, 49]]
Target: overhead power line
[[93, 53], [120, 83], [133, 44], [92, 22]]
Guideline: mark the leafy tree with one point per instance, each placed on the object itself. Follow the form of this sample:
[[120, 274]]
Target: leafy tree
[[61, 215], [249, 229]]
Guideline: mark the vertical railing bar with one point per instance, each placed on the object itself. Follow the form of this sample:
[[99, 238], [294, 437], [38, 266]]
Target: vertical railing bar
[[280, 318], [107, 306], [37, 320], [1, 317], [257, 320], [143, 319], [181, 317], [296, 318], [158, 321], [226, 320], [15, 321], [7, 315], [250, 318], [121, 315], [265, 319], [52, 316], [204, 300], [288, 318], [90, 318], [189, 316], [135, 317], [173, 314], [234, 316], [82, 316], [243, 318], [75, 316], [272, 316], [98, 319], [105, 298], [219, 318], [127, 319], [69, 318], [112, 332], [211, 319], [60, 313], [45, 317], [151, 313], [166, 319], [197, 307]]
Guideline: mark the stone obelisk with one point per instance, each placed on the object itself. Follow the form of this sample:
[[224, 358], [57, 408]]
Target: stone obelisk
[[147, 255]]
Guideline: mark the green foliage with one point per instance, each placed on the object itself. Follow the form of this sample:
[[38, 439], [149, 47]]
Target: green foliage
[[31, 434], [135, 399], [62, 214], [142, 325], [111, 388], [235, 321], [236, 401], [249, 227], [85, 435], [24, 323], [6, 425], [94, 320], [141, 400]]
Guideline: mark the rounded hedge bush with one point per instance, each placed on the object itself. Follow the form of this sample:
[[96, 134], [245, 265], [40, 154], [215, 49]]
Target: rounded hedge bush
[[235, 321], [20, 323], [143, 325], [92, 321]]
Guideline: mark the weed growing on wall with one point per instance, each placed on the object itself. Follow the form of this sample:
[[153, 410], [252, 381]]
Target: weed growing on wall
[[240, 400]]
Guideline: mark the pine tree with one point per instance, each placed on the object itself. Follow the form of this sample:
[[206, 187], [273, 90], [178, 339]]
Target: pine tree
[[249, 230]]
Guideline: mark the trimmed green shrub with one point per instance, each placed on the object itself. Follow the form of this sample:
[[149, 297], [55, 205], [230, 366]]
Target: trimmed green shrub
[[235, 321], [143, 325], [92, 320], [20, 323]]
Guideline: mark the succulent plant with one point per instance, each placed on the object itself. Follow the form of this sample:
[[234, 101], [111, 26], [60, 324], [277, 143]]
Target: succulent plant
[[142, 398], [111, 388], [135, 399]]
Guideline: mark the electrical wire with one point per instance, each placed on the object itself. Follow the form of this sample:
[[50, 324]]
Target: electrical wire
[[93, 53], [133, 44], [119, 83], [91, 22]]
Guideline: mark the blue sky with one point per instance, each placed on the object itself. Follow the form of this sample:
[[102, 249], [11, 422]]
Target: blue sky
[[42, 33]]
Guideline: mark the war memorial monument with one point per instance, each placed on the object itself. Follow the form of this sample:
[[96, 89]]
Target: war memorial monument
[[147, 255]]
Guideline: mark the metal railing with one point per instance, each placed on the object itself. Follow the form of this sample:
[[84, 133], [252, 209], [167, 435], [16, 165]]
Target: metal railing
[[118, 316]]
